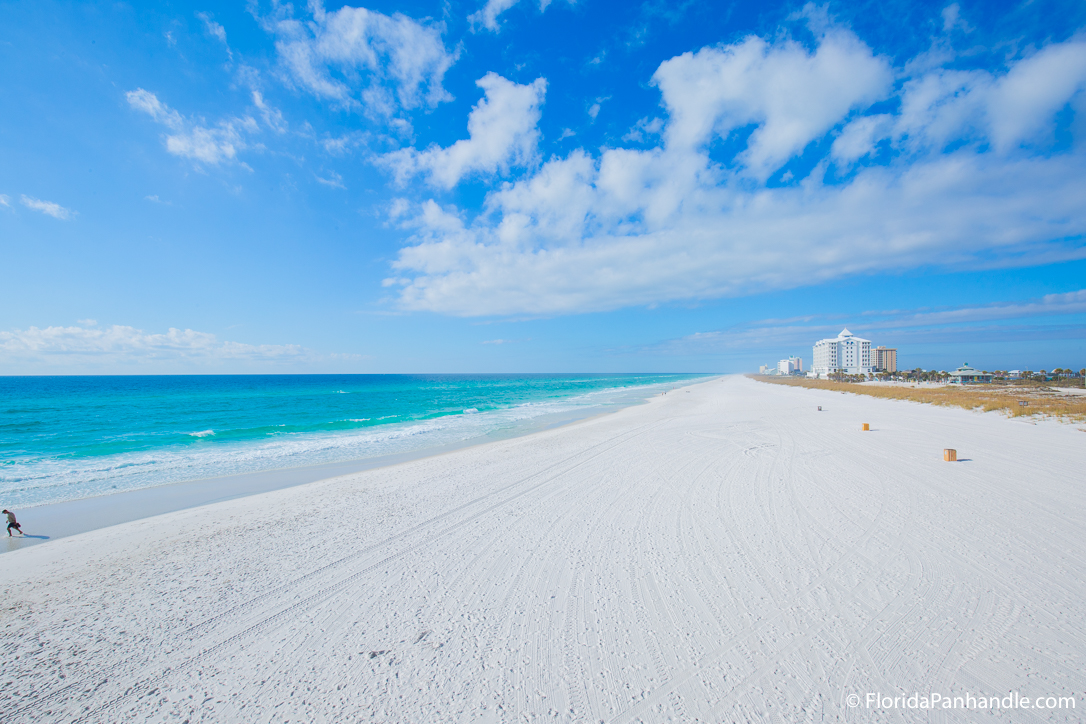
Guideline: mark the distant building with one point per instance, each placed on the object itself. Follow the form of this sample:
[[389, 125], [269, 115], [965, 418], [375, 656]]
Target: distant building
[[790, 366], [848, 353], [1015, 374], [883, 359], [966, 375], [763, 370]]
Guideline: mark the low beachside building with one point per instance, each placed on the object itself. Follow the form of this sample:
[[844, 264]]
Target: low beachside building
[[966, 375], [847, 353], [883, 359], [790, 366]]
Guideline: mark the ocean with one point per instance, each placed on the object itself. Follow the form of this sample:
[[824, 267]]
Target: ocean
[[65, 438]]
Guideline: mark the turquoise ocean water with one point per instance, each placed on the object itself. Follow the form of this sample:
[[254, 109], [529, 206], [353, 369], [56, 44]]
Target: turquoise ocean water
[[63, 438]]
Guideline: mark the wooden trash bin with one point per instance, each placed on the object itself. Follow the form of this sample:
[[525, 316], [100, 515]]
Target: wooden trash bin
[[867, 427], [950, 455]]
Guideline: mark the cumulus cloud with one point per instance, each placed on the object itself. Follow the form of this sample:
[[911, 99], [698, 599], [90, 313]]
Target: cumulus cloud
[[361, 57], [46, 207], [943, 107], [858, 138], [696, 216], [792, 96], [502, 132], [190, 139]]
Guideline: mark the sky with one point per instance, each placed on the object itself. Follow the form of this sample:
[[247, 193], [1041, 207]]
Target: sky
[[539, 186]]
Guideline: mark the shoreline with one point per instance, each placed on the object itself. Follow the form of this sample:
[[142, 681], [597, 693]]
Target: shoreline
[[713, 554], [81, 515]]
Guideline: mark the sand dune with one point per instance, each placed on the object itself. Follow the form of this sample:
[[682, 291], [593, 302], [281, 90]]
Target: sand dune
[[726, 553]]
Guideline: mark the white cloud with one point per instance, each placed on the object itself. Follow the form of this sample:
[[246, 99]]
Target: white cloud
[[644, 129], [952, 19], [1046, 306], [502, 132], [334, 180], [793, 96], [359, 56], [487, 16], [46, 207], [92, 346], [210, 145], [273, 117], [213, 29], [5, 200], [1023, 102], [192, 140], [858, 138], [129, 341], [216, 31], [956, 325], [668, 223], [150, 104], [941, 107]]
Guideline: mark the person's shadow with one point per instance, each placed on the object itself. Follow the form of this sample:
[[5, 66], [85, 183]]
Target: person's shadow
[[39, 537]]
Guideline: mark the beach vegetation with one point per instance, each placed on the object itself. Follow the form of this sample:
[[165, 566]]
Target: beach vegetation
[[1026, 397]]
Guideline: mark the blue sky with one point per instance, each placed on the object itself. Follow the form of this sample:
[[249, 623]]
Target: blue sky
[[512, 186]]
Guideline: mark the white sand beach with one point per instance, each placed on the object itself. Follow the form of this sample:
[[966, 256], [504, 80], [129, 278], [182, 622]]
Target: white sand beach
[[723, 553]]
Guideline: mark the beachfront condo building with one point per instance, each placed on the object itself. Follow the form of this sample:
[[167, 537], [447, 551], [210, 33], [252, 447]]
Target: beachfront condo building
[[790, 366], [883, 359], [848, 353]]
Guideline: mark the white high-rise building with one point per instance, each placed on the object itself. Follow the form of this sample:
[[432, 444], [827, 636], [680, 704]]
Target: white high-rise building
[[848, 353]]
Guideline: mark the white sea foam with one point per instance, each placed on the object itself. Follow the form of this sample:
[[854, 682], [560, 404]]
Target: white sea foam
[[47, 481]]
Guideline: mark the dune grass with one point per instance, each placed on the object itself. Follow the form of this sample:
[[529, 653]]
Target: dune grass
[[1042, 401]]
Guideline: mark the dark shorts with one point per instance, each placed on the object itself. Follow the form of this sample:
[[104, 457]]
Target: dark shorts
[[16, 526]]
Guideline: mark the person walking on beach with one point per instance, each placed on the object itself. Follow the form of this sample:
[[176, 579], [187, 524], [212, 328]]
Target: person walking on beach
[[12, 523]]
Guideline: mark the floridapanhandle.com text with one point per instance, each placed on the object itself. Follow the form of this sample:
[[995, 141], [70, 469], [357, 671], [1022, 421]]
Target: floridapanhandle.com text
[[935, 700]]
